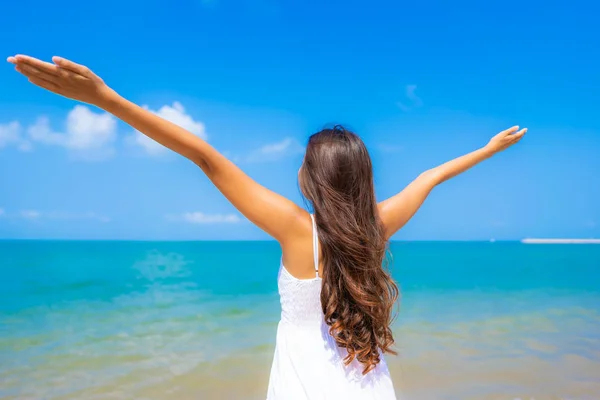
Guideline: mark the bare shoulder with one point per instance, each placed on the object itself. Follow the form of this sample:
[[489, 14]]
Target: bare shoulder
[[383, 209], [297, 249], [298, 223]]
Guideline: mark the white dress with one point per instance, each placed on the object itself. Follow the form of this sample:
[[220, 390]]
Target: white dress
[[308, 364]]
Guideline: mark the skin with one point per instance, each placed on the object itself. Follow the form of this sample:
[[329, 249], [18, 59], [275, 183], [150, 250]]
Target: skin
[[285, 221]]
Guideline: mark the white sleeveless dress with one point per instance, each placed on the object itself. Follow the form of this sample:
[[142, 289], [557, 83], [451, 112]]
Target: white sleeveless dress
[[308, 364]]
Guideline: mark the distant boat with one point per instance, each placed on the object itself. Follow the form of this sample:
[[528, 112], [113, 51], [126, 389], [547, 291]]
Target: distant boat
[[560, 241], [492, 240]]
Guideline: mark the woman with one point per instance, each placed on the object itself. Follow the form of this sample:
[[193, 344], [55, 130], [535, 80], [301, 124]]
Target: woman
[[336, 296]]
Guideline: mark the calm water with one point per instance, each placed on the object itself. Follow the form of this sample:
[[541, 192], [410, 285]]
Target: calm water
[[158, 320]]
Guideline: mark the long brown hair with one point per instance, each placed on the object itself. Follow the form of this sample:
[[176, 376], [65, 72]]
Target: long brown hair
[[358, 293]]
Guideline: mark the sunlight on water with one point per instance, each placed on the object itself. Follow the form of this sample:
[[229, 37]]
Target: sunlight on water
[[160, 323]]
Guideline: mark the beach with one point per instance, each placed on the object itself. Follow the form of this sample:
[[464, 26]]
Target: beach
[[197, 320]]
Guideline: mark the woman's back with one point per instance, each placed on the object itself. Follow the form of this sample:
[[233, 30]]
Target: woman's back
[[308, 363]]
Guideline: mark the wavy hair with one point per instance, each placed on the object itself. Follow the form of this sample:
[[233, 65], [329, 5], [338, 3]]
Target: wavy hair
[[358, 293]]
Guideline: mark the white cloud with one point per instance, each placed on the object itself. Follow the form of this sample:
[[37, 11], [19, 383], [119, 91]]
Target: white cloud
[[88, 130], [30, 214], [275, 151], [61, 216], [25, 146], [590, 223], [42, 133], [10, 134], [88, 135], [202, 218], [415, 101], [277, 148], [176, 114]]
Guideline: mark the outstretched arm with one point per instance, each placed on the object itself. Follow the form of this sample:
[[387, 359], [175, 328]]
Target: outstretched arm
[[396, 211], [271, 212]]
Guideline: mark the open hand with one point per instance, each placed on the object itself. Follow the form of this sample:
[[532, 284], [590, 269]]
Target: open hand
[[65, 78], [505, 139]]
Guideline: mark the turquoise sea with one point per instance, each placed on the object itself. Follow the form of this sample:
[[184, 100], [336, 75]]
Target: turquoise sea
[[197, 320]]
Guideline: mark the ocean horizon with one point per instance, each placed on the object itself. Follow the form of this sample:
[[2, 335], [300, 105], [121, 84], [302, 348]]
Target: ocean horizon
[[525, 240], [112, 319]]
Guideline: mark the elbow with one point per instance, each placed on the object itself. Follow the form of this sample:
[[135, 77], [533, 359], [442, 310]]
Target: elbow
[[202, 163], [432, 177]]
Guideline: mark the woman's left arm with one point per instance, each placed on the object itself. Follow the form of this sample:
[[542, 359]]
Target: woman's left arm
[[274, 214], [396, 211]]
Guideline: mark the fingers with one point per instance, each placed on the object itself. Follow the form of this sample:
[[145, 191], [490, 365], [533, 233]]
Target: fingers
[[515, 137], [519, 135], [51, 86], [70, 65], [38, 64], [32, 72], [510, 131], [62, 67]]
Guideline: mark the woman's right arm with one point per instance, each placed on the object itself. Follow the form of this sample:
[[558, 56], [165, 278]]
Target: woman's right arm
[[274, 214], [396, 211]]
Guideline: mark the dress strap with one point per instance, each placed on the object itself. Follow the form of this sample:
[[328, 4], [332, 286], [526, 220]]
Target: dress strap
[[315, 245]]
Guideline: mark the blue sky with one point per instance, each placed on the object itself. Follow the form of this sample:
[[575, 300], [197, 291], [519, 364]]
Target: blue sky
[[421, 83]]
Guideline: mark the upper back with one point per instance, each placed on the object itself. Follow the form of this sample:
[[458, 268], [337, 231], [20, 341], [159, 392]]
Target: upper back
[[300, 293], [301, 253]]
